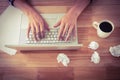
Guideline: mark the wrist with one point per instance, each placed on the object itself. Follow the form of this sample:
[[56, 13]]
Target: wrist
[[74, 12]]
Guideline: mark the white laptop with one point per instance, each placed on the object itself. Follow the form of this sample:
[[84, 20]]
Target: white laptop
[[50, 42]]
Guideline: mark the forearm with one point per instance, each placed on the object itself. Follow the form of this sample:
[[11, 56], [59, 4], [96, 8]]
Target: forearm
[[24, 6], [78, 7]]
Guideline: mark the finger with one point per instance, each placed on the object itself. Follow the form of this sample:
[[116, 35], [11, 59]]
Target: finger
[[41, 29], [43, 34], [34, 32], [46, 26], [57, 24], [39, 35], [73, 32], [37, 28], [65, 30], [69, 33], [60, 30], [28, 30]]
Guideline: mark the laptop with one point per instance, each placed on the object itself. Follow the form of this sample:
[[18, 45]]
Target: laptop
[[50, 42]]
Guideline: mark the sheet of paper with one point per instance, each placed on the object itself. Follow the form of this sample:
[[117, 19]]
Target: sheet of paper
[[9, 28]]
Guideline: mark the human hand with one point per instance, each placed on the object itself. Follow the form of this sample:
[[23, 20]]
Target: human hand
[[68, 22], [37, 25], [67, 26]]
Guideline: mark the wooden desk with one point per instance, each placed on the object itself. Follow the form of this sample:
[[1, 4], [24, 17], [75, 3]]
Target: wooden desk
[[42, 65]]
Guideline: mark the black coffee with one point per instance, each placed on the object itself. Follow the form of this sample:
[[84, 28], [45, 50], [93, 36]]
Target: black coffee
[[106, 27]]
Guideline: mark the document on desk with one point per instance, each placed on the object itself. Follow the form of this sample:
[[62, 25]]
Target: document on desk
[[9, 28]]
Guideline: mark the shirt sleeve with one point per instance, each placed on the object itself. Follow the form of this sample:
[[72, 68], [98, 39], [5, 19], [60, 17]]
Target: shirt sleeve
[[11, 2]]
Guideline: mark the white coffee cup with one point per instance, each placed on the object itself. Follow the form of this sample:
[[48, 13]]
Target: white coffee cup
[[104, 28]]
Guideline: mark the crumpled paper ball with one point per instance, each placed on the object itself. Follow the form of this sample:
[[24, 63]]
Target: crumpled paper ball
[[93, 45], [63, 59], [115, 51], [95, 58]]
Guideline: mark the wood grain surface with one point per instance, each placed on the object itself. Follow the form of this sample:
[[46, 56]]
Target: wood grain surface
[[42, 65]]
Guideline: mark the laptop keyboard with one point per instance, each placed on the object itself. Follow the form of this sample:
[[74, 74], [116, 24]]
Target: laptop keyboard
[[50, 38]]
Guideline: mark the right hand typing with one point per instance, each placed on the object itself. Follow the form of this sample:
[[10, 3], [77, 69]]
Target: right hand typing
[[37, 25]]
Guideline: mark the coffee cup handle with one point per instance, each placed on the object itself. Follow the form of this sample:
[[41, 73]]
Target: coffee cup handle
[[95, 24]]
